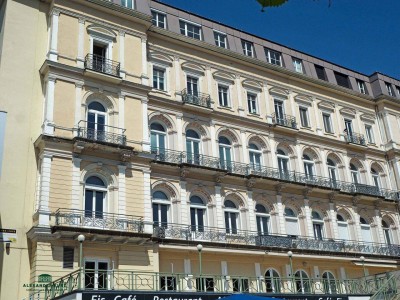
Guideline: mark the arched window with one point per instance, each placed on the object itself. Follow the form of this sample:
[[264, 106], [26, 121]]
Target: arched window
[[308, 166], [318, 225], [355, 174], [197, 213], [161, 206], [262, 218], [272, 281], [231, 217], [332, 171], [96, 121], [255, 156], [193, 147], [365, 230], [158, 137], [302, 282], [95, 197], [375, 178], [225, 152], [387, 233], [329, 283], [343, 228], [292, 222], [283, 163]]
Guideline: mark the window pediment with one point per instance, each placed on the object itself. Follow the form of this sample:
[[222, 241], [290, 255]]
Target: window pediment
[[326, 105], [160, 58], [348, 112], [102, 32], [224, 77], [368, 118], [193, 68], [252, 85], [279, 91], [304, 100]]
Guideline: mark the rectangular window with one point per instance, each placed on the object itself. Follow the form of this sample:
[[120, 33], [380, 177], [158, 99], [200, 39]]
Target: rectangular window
[[220, 39], [398, 90], [327, 122], [158, 19], [252, 103], [320, 72], [298, 65], [342, 80], [127, 3], [389, 89], [370, 134], [248, 48], [168, 283], [205, 284], [192, 85], [159, 78], [361, 87], [273, 57], [190, 30], [68, 257], [304, 116], [240, 285], [223, 95]]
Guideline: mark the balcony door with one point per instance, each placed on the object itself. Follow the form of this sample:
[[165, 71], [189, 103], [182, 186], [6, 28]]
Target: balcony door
[[262, 219], [255, 157], [308, 166], [192, 147], [225, 153], [96, 121], [161, 204], [349, 127], [95, 200], [343, 228], [283, 164], [231, 217], [318, 225], [279, 111], [365, 231], [332, 171], [302, 282], [157, 138], [387, 233], [197, 214], [100, 54], [96, 274], [192, 86]]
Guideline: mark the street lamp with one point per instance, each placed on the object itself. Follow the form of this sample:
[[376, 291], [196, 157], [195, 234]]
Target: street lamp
[[362, 258], [199, 248], [81, 239]]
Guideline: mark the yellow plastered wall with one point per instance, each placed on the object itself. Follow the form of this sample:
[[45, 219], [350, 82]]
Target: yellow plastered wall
[[67, 39], [134, 192], [134, 121], [64, 107], [60, 183]]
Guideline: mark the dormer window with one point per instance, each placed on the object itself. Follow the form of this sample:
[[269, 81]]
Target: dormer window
[[190, 30]]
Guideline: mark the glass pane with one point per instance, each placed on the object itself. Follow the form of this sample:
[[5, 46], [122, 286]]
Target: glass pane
[[102, 275], [164, 215], [193, 218], [227, 222], [200, 219], [99, 205], [91, 120], [155, 214], [265, 225], [88, 203], [233, 222], [153, 141], [89, 275], [161, 142]]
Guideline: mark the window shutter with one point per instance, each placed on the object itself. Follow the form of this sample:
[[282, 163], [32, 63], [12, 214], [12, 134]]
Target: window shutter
[[292, 227], [343, 232], [68, 257], [366, 234]]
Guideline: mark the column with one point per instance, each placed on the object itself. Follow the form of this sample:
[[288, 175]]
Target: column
[[80, 59], [121, 190], [267, 107], [317, 115], [324, 166], [78, 102], [121, 110], [360, 129], [279, 206], [148, 211], [378, 222], [316, 275], [389, 133], [308, 217], [224, 272], [145, 120], [122, 54], [209, 83], [145, 78], [218, 206], [214, 140], [76, 192], [340, 124], [252, 216], [53, 52], [187, 267], [356, 222], [274, 161], [177, 75], [239, 95], [244, 147], [346, 167], [298, 160], [292, 104], [183, 216], [332, 217], [179, 132], [48, 126], [45, 174]]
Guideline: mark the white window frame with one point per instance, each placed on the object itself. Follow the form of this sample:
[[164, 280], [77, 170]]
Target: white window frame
[[195, 76], [398, 90], [257, 152], [238, 220], [246, 51], [217, 41], [281, 156], [329, 114], [101, 40], [321, 222], [227, 86], [96, 274], [124, 3], [362, 87], [197, 207], [389, 89], [160, 68], [168, 203], [309, 164], [164, 133], [369, 133], [293, 218], [268, 55], [96, 188], [298, 65], [308, 125], [255, 101], [186, 29], [158, 13], [264, 215]]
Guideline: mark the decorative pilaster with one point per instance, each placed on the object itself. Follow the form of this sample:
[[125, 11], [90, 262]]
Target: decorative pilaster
[[307, 212], [121, 189], [246, 159], [213, 139], [122, 54], [184, 211], [78, 102], [279, 207], [48, 125], [121, 110], [44, 199], [332, 217], [80, 59], [145, 121], [148, 211], [177, 75], [251, 205], [239, 95], [145, 78], [179, 132], [76, 192], [218, 206], [53, 52]]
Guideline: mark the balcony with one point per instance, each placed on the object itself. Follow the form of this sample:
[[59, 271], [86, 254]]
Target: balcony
[[100, 221], [236, 237], [196, 99], [101, 133], [249, 171], [112, 282], [355, 138], [284, 120], [101, 64]]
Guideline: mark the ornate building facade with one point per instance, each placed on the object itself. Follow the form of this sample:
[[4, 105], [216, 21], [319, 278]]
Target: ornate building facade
[[191, 156]]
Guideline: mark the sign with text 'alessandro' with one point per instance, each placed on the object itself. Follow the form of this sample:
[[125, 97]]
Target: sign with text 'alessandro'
[[8, 235], [126, 295]]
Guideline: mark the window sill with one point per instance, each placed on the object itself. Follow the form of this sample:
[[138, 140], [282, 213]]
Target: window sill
[[226, 108], [330, 134], [308, 128], [254, 115], [162, 92]]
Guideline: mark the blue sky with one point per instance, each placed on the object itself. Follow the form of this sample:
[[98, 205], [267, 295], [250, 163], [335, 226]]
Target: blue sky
[[363, 35]]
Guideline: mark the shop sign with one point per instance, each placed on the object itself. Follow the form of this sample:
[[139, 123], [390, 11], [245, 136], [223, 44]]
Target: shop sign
[[8, 235]]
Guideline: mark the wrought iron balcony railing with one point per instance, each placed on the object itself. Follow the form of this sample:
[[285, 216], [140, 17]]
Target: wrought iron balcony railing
[[199, 99], [101, 133], [284, 120], [200, 160], [355, 138], [98, 220], [133, 280], [101, 64], [252, 238]]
